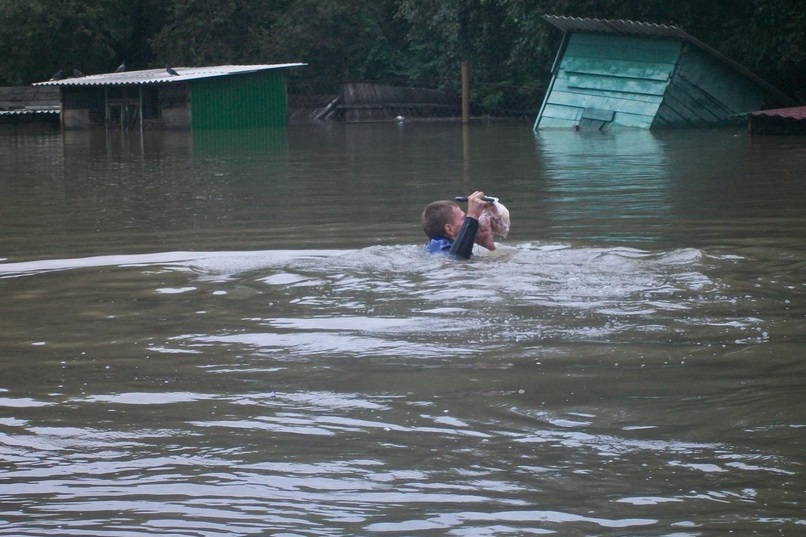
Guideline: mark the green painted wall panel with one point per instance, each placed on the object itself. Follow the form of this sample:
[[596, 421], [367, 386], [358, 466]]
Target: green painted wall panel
[[687, 106], [625, 75], [616, 84], [568, 109], [735, 92], [564, 86], [558, 116], [254, 100], [625, 69], [638, 49], [668, 117], [554, 123], [570, 114], [706, 93], [603, 103]]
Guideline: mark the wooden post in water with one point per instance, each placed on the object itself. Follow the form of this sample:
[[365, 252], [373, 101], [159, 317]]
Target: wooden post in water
[[465, 93]]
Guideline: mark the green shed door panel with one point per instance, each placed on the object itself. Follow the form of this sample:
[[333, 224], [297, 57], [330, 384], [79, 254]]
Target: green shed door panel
[[244, 101]]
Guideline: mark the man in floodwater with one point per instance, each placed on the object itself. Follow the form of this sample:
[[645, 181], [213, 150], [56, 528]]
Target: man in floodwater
[[449, 229]]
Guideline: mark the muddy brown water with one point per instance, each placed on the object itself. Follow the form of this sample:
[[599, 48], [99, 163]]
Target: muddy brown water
[[238, 334]]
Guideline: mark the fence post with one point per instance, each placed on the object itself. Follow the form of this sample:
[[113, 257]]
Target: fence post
[[465, 93]]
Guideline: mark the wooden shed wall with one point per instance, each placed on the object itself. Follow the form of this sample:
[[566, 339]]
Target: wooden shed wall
[[246, 101], [83, 107], [173, 103], [22, 97], [706, 93], [598, 72]]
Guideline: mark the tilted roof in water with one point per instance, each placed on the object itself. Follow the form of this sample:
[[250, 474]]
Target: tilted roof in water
[[797, 112], [162, 76], [778, 121]]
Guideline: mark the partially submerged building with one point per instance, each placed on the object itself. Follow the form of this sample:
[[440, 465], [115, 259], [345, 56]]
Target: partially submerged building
[[23, 106], [224, 96], [778, 121], [364, 101], [617, 73]]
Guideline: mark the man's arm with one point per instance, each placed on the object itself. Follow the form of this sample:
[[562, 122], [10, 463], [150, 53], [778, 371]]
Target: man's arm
[[463, 245]]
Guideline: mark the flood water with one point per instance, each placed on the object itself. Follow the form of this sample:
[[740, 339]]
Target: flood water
[[238, 334]]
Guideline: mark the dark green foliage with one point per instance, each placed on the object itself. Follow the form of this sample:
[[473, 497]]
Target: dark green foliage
[[339, 39], [213, 32], [39, 37], [505, 41]]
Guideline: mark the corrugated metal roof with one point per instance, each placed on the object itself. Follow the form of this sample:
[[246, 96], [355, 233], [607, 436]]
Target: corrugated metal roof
[[627, 27], [798, 112], [29, 112], [161, 76], [614, 26]]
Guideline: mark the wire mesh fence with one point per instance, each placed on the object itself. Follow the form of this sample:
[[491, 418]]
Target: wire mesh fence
[[326, 100]]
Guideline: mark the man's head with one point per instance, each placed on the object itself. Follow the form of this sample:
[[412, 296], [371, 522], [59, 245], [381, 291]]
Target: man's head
[[443, 219]]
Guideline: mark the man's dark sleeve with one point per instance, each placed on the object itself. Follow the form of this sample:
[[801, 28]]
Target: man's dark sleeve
[[463, 245]]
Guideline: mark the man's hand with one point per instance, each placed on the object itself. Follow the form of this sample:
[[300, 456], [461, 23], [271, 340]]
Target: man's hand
[[475, 205]]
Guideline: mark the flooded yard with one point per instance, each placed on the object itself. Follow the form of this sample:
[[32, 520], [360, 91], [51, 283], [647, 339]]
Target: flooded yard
[[238, 334]]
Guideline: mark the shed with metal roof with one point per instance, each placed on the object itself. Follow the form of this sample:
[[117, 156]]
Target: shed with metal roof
[[778, 121], [27, 106], [224, 96], [620, 73]]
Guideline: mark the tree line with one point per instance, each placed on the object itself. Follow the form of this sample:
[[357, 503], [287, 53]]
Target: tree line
[[505, 41]]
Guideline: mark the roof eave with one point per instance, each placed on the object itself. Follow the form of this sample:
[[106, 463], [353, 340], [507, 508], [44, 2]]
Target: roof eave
[[160, 76]]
